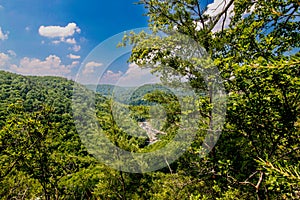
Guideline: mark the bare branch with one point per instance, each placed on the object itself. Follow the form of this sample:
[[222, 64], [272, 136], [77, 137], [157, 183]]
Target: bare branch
[[258, 183], [218, 17], [168, 165]]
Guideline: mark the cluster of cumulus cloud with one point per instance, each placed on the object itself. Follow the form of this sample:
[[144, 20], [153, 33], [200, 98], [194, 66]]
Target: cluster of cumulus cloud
[[60, 34], [67, 34], [52, 64]]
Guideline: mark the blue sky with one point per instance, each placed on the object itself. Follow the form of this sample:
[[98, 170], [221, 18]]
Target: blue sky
[[39, 37]]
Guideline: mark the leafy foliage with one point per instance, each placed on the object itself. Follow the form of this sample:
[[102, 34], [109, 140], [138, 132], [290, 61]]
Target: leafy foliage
[[256, 157]]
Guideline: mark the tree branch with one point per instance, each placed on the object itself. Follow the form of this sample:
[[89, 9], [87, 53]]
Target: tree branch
[[217, 18]]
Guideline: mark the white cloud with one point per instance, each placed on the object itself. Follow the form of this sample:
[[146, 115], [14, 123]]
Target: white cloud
[[4, 60], [136, 75], [198, 25], [214, 9], [59, 34], [70, 41], [93, 64], [72, 56], [12, 53], [3, 36], [250, 10], [51, 66], [90, 67], [111, 77], [59, 31], [74, 63], [75, 48], [1, 7], [56, 41]]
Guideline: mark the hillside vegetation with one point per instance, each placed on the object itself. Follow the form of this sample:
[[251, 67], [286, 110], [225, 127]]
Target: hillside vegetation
[[49, 148]]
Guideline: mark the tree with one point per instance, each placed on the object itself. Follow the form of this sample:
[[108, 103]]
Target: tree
[[256, 55]]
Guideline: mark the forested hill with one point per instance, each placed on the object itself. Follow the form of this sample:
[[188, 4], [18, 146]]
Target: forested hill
[[40, 150], [43, 157], [132, 95], [34, 92], [247, 148], [41, 153]]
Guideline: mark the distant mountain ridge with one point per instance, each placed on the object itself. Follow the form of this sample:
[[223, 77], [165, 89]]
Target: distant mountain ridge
[[128, 95]]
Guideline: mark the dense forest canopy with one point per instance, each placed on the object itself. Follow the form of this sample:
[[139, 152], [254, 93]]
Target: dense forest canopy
[[256, 157]]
